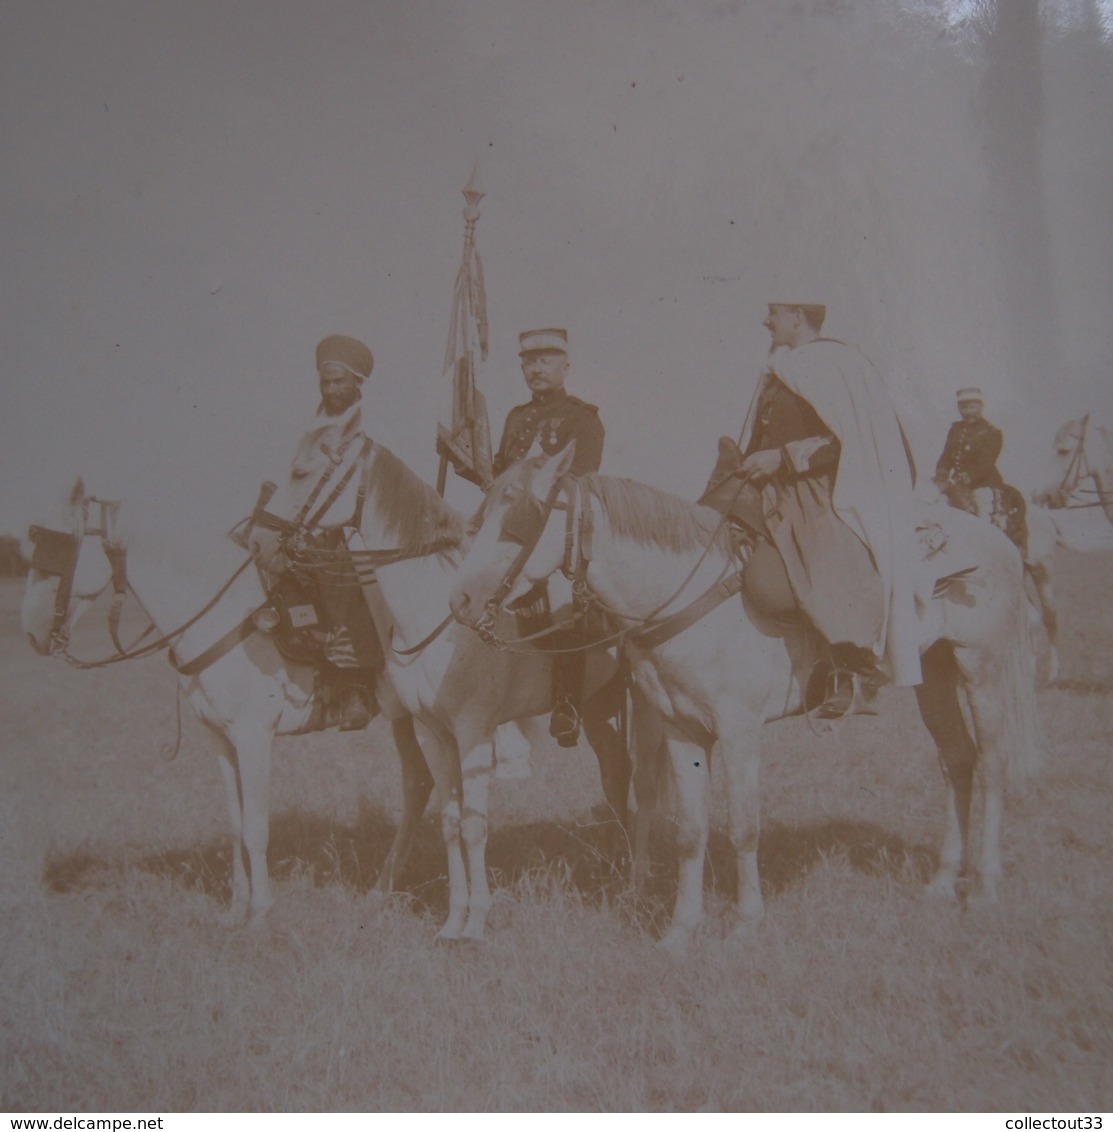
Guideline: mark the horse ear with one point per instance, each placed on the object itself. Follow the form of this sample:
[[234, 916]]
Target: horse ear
[[77, 493]]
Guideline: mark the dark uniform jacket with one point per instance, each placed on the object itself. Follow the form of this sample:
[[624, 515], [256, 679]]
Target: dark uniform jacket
[[554, 419], [969, 462], [782, 418], [969, 457]]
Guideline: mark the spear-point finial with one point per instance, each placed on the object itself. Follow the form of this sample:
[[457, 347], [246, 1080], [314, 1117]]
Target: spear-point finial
[[473, 194]]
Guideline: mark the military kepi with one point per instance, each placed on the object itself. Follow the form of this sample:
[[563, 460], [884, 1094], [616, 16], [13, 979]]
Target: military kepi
[[350, 353], [548, 338], [815, 313], [970, 393]]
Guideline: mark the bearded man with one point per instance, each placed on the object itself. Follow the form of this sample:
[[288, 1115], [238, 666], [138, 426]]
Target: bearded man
[[352, 650]]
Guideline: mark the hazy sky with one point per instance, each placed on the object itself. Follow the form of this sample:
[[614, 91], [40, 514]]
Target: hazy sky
[[194, 193]]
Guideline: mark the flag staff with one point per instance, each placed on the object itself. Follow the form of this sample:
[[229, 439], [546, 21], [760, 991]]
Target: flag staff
[[466, 440]]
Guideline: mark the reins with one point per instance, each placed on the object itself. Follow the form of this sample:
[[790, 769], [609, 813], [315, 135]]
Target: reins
[[167, 639], [343, 566], [1078, 470], [645, 630]]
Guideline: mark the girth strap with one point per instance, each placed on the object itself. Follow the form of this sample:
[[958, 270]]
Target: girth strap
[[662, 631], [218, 648]]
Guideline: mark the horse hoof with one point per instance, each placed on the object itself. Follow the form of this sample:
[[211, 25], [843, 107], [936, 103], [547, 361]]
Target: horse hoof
[[450, 933], [458, 943], [941, 888], [982, 894], [744, 931], [234, 917], [376, 901], [258, 917], [675, 942]]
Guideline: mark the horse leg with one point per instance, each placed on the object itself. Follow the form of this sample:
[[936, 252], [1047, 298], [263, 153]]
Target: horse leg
[[614, 762], [417, 784], [1049, 615], [444, 763], [1006, 743], [939, 706], [690, 772], [241, 889], [651, 755], [477, 766], [252, 743], [742, 763]]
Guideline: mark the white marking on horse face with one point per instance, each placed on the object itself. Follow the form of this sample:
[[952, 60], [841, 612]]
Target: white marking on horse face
[[92, 574], [36, 613], [490, 555], [93, 571]]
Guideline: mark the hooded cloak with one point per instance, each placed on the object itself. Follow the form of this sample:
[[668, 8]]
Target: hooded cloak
[[876, 474]]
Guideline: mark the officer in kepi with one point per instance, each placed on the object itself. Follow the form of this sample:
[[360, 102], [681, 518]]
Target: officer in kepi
[[552, 417], [545, 424], [967, 469]]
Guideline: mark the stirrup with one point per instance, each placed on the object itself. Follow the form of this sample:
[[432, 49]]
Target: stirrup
[[353, 713], [564, 723], [832, 694], [318, 718]]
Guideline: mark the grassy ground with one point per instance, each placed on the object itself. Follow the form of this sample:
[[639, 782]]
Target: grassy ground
[[120, 990]]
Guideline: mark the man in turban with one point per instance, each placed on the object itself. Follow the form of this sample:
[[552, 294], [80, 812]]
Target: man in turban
[[352, 650]]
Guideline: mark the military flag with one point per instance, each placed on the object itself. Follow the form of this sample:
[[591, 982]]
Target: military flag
[[465, 439]]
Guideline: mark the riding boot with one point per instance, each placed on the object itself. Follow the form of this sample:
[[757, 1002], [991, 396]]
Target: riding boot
[[831, 690], [845, 680], [358, 705], [321, 714], [568, 681]]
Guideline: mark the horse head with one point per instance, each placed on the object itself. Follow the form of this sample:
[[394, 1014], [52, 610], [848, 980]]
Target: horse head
[[517, 542], [326, 494], [71, 566], [1081, 468], [365, 487]]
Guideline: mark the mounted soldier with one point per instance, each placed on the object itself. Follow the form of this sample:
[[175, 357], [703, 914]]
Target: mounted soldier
[[552, 417], [821, 483], [967, 470], [352, 653], [545, 424]]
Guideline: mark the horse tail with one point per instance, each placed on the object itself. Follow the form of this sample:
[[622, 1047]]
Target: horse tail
[[1022, 737]]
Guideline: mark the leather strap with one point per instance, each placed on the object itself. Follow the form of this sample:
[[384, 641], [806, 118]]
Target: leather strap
[[662, 631], [218, 648]]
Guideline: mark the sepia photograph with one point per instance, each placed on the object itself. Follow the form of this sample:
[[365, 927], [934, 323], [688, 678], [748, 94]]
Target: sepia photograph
[[553, 556]]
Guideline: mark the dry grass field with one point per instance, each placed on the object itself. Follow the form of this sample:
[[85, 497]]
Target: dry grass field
[[122, 991]]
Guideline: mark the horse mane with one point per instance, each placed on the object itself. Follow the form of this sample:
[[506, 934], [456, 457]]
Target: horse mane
[[409, 508], [653, 517]]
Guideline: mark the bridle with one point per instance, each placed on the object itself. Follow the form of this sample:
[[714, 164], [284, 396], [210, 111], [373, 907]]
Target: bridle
[[524, 522], [1077, 472], [55, 554], [340, 566]]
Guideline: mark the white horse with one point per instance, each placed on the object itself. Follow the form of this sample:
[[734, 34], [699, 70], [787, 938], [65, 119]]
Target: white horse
[[1049, 531], [1081, 473], [716, 680], [234, 677], [1072, 510], [458, 688]]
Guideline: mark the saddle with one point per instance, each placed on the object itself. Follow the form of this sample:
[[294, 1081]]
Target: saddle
[[298, 624], [1004, 506]]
